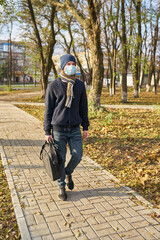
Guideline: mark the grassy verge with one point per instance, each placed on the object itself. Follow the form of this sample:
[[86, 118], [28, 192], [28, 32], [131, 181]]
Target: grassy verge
[[145, 98], [126, 142], [8, 224]]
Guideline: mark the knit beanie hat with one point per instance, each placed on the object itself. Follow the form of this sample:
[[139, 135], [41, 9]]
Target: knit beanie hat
[[67, 58]]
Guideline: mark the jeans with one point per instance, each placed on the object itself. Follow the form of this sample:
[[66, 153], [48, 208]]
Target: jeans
[[74, 138]]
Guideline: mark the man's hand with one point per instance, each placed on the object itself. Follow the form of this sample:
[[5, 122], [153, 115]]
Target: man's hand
[[48, 137], [85, 134]]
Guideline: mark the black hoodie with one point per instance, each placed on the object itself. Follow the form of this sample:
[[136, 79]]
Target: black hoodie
[[57, 114]]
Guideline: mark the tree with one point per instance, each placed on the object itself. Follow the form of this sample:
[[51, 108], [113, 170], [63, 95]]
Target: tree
[[136, 66], [75, 37], [88, 15], [3, 71], [144, 46], [8, 18], [124, 53], [64, 17], [153, 52], [39, 17], [31, 61], [110, 16]]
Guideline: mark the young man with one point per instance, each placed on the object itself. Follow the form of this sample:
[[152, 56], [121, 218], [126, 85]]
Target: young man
[[66, 108]]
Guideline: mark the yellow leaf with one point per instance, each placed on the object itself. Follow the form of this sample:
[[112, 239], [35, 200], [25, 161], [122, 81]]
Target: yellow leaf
[[78, 234]]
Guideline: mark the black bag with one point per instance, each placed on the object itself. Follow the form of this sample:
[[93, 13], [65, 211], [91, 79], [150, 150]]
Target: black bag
[[51, 160]]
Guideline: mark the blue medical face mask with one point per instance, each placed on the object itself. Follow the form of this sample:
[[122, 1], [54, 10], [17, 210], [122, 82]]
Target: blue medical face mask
[[70, 70]]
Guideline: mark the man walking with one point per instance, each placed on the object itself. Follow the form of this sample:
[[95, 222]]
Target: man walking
[[66, 108]]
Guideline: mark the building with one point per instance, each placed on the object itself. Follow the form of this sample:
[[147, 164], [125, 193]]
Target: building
[[12, 56]]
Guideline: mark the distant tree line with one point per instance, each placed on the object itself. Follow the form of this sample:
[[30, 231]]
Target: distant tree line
[[125, 33]]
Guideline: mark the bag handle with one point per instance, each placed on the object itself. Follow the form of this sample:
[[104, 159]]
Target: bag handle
[[51, 144], [50, 141], [42, 150]]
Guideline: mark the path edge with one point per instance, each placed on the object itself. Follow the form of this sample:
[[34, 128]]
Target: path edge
[[25, 235]]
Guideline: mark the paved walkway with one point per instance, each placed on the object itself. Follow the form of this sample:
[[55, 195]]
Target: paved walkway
[[96, 209]]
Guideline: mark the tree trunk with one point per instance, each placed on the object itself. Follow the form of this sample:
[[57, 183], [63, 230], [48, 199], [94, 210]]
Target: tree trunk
[[97, 75], [158, 74], [155, 84], [44, 83], [153, 53], [150, 74], [113, 79], [138, 50], [93, 31], [10, 61], [143, 72], [124, 54], [54, 69]]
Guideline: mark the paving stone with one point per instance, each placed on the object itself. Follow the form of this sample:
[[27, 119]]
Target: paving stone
[[117, 226], [129, 234], [100, 226], [48, 237], [113, 218], [153, 231], [135, 219], [54, 227], [91, 220], [125, 224], [99, 218], [146, 234], [137, 238], [115, 237], [39, 219], [105, 232], [63, 235], [105, 238], [39, 232], [37, 238], [30, 220], [89, 232], [52, 219], [99, 207], [140, 224]]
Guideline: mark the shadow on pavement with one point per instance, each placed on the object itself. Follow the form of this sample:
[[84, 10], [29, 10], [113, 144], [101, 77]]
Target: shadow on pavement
[[21, 142]]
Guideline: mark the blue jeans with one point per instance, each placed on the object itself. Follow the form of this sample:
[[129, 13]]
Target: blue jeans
[[74, 139]]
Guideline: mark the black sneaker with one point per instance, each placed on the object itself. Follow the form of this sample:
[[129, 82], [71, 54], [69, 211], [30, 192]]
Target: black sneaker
[[69, 181], [62, 194]]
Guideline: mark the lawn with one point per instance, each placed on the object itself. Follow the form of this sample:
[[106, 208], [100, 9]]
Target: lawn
[[145, 98]]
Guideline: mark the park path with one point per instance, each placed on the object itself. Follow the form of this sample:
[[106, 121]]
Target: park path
[[98, 208]]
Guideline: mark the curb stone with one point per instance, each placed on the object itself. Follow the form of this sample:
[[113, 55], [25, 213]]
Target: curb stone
[[15, 200]]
